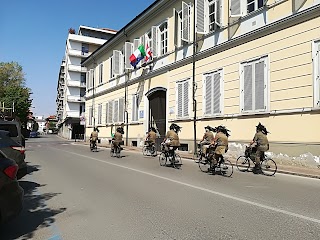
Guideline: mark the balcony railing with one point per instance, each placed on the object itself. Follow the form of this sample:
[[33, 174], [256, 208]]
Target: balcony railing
[[75, 99], [73, 113], [78, 53], [76, 68], [73, 83]]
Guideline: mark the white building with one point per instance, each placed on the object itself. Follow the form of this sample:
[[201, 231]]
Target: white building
[[71, 86]]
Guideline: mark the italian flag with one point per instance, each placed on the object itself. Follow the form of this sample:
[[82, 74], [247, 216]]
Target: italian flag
[[137, 56]]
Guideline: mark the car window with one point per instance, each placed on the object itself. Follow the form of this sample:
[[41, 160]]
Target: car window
[[11, 128], [7, 141]]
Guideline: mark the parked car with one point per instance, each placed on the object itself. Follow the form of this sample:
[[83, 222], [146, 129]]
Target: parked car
[[14, 151], [14, 128], [11, 194]]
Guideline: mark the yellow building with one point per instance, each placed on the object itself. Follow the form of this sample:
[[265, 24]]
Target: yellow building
[[254, 61]]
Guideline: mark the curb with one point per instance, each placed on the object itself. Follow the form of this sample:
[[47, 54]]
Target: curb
[[187, 157]]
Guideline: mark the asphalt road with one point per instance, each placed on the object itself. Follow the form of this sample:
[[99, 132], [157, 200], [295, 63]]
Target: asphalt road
[[72, 193]]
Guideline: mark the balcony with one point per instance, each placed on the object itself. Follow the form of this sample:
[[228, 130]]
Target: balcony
[[75, 99], [73, 113], [77, 68], [73, 83], [78, 53]]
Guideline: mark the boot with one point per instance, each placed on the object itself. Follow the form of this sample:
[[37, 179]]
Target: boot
[[257, 169]]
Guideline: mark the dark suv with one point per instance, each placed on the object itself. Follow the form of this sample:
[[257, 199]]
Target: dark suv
[[14, 151], [14, 129]]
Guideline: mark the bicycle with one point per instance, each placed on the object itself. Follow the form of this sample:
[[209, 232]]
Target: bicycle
[[224, 167], [93, 146], [268, 165], [116, 151], [170, 156], [149, 149]]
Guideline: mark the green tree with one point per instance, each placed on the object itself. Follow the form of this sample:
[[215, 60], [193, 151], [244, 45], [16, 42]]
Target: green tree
[[13, 91]]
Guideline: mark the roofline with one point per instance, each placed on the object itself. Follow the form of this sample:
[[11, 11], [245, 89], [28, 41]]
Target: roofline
[[105, 30]]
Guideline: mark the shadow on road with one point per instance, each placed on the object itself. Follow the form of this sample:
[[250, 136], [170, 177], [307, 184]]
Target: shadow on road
[[35, 213]]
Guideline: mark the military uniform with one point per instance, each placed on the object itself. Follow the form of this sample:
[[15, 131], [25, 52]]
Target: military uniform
[[221, 141], [207, 139], [152, 137], [94, 136], [262, 145], [117, 139]]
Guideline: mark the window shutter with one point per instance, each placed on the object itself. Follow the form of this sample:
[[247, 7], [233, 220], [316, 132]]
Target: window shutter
[[259, 86], [217, 93], [121, 110], [116, 62], [235, 8], [128, 50], [176, 27], [116, 111], [134, 107], [185, 22], [247, 91], [110, 112], [186, 98], [218, 12], [208, 95], [200, 16], [318, 73], [88, 79], [107, 111], [179, 112], [136, 43], [154, 35], [91, 79]]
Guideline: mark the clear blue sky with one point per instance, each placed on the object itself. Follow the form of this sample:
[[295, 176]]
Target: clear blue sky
[[34, 32]]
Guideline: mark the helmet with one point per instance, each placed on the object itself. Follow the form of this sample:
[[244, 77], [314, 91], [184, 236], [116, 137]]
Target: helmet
[[211, 129], [153, 129], [175, 127], [223, 129], [262, 128], [120, 130]]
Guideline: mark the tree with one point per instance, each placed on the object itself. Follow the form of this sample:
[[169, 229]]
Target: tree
[[13, 92]]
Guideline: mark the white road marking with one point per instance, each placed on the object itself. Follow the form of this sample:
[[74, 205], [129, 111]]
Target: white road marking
[[278, 210]]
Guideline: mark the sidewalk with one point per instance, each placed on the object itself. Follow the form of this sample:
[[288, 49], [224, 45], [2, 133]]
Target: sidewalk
[[304, 171]]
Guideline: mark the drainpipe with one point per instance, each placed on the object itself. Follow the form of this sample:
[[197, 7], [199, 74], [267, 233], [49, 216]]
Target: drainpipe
[[125, 104], [194, 101]]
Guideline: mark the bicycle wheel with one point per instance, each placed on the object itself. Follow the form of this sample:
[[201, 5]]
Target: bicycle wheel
[[118, 152], [196, 157], [177, 162], [145, 151], [243, 163], [204, 165], [162, 159], [111, 153], [268, 167], [153, 151], [226, 168]]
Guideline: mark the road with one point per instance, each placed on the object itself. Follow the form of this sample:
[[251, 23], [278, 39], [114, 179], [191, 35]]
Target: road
[[72, 193]]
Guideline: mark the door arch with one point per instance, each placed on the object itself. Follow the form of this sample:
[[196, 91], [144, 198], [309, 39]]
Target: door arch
[[157, 115]]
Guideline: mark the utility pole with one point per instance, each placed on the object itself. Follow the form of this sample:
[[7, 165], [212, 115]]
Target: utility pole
[[194, 103]]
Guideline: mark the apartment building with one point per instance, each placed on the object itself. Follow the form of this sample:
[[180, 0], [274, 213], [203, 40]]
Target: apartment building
[[235, 63], [71, 86]]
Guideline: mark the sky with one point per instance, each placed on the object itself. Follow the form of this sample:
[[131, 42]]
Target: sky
[[33, 33]]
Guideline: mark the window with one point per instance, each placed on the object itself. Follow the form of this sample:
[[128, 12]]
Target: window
[[183, 98], [135, 107], [182, 25], [240, 8], [84, 48], [100, 114], [316, 67], [117, 63], [100, 73], [254, 86], [253, 5], [163, 31], [115, 111], [208, 17], [83, 79], [213, 89], [90, 115], [91, 79]]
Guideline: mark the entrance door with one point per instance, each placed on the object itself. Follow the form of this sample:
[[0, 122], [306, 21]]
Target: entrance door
[[157, 114]]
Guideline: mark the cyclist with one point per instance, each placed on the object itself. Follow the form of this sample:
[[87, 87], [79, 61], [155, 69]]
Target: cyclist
[[94, 137], [151, 137], [117, 139], [172, 139], [220, 143], [206, 139], [259, 145]]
